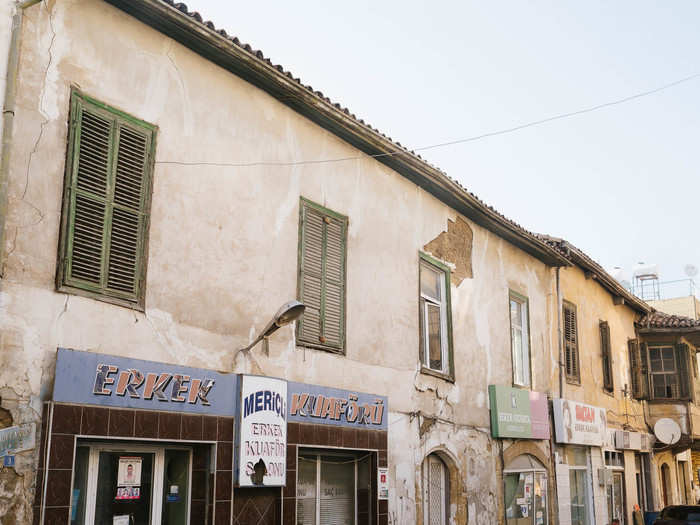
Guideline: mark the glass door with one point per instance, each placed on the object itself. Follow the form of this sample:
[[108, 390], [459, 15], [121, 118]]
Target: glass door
[[615, 496], [124, 492], [131, 485]]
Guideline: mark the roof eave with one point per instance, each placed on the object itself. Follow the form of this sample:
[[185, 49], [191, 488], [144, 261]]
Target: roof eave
[[223, 52], [609, 283]]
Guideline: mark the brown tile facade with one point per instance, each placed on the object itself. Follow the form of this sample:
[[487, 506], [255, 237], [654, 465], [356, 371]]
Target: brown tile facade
[[69, 421], [333, 436], [214, 500]]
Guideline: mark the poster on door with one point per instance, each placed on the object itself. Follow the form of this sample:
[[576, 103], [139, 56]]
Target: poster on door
[[262, 438], [128, 493], [383, 482], [129, 473]]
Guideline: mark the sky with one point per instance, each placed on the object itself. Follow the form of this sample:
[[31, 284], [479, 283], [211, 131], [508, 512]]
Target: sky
[[621, 183]]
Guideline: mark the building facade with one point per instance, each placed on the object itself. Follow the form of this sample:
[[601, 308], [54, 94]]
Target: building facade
[[166, 189], [159, 211]]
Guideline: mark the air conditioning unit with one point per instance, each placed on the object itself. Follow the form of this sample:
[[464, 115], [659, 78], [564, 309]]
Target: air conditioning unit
[[625, 440], [604, 476]]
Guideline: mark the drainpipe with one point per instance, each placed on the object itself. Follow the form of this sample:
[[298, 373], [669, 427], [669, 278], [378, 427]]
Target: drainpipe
[[559, 336], [8, 116]]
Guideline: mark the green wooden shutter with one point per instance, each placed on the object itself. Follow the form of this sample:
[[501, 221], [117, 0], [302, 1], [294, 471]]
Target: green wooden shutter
[[322, 277], [107, 202], [606, 356], [571, 343]]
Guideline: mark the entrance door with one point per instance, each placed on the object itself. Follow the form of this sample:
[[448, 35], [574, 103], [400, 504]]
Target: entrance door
[[131, 485], [435, 491], [616, 499]]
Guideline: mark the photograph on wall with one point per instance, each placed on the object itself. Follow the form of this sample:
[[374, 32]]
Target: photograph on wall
[[129, 473]]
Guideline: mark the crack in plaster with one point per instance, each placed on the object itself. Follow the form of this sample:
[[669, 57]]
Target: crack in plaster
[[45, 121]]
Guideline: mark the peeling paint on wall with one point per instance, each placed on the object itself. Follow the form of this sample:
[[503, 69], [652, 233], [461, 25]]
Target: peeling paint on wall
[[455, 246]]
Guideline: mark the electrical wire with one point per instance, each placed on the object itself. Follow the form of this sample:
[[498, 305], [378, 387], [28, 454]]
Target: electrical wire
[[441, 144]]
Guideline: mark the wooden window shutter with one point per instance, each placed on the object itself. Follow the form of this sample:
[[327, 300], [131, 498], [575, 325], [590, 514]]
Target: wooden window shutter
[[683, 370], [638, 369], [322, 277], [107, 200], [606, 356], [571, 343]]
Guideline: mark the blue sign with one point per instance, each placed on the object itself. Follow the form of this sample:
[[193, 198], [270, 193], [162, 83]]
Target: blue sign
[[8, 461], [332, 406], [100, 379]]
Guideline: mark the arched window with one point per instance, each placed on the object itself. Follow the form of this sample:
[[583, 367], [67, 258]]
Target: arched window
[[435, 491], [525, 490]]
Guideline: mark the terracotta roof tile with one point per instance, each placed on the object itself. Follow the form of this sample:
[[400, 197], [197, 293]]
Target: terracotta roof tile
[[663, 320]]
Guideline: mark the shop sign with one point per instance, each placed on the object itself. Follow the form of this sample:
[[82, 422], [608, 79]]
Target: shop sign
[[332, 406], [518, 413], [262, 437], [17, 439], [100, 379], [383, 482], [578, 423]]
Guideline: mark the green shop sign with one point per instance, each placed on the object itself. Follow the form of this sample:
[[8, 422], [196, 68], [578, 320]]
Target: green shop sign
[[518, 413]]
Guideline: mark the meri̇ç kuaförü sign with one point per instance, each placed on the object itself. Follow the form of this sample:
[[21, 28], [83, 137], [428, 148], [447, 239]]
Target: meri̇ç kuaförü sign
[[262, 441]]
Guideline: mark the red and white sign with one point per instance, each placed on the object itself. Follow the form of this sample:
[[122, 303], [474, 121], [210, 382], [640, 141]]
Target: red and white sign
[[578, 423], [262, 454]]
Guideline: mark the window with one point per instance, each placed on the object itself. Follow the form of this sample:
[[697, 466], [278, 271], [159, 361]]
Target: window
[[659, 371], [334, 489], [435, 318], [606, 356], [579, 481], [106, 203], [435, 491], [520, 339], [322, 242], [573, 374], [664, 376], [525, 490]]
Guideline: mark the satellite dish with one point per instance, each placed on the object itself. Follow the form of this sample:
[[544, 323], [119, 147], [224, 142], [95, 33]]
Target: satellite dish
[[690, 270], [667, 431]]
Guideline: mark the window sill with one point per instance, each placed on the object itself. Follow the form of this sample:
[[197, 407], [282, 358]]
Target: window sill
[[573, 381], [430, 372], [71, 290], [329, 349], [609, 393], [522, 387], [660, 400]]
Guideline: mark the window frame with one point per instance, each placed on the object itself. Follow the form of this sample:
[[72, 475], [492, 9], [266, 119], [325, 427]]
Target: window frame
[[447, 350], [74, 287], [341, 349], [571, 378], [675, 373], [514, 296]]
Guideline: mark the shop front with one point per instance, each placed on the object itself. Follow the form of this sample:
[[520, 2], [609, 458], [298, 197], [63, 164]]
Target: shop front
[[336, 457], [133, 442], [520, 418], [580, 431], [126, 441]]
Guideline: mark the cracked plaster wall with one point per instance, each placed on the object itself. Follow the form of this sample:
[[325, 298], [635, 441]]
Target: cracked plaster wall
[[223, 252]]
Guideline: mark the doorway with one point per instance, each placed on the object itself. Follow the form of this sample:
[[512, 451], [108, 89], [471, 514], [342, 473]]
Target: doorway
[[616, 498], [130, 484], [665, 484]]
